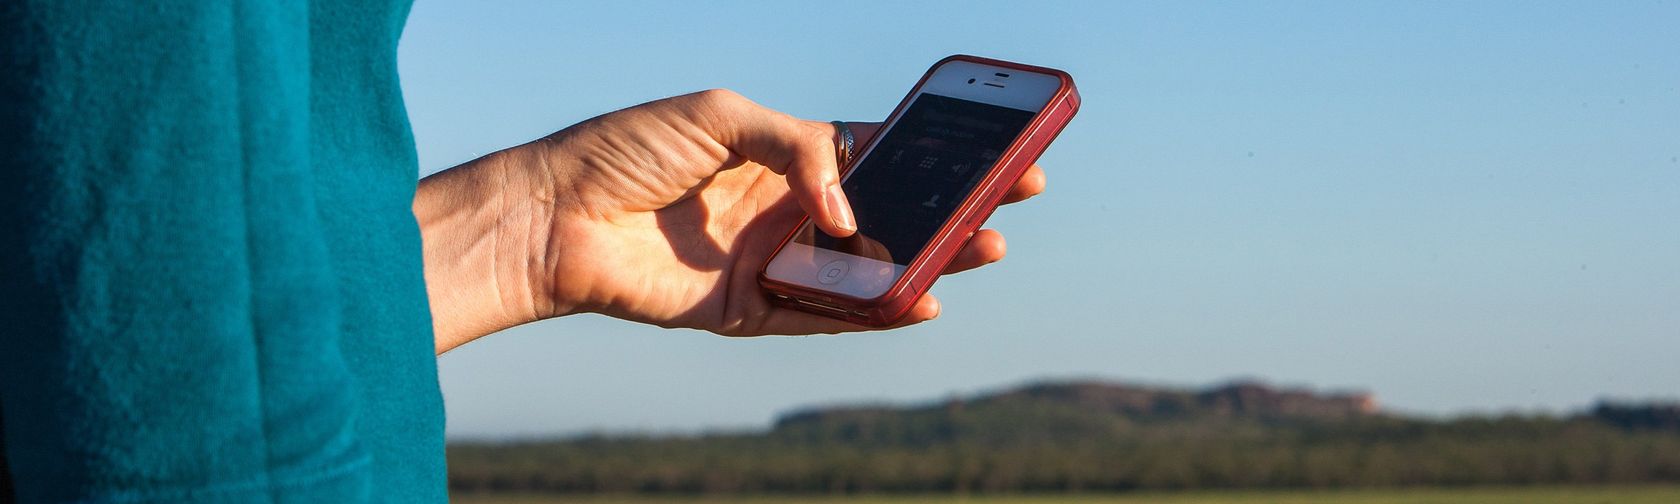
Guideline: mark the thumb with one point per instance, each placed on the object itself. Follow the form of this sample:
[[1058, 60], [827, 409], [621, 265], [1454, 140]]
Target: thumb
[[802, 151]]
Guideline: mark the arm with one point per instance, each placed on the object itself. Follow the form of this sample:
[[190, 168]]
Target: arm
[[660, 213]]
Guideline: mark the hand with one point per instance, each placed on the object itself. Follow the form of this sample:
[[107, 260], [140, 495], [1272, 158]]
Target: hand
[[664, 212]]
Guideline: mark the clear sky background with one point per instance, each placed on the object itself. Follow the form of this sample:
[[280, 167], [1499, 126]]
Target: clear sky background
[[1459, 206]]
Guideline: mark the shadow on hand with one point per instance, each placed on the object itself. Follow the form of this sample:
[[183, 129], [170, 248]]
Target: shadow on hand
[[684, 225]]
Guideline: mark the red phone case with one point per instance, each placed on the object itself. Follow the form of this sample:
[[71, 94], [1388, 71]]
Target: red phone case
[[891, 306]]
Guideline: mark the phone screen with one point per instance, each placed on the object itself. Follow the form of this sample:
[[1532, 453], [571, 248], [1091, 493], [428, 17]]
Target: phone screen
[[914, 178]]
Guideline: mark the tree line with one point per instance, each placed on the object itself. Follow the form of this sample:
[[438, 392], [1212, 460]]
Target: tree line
[[1052, 440]]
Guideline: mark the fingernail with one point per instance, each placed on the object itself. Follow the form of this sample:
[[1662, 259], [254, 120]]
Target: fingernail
[[839, 212]]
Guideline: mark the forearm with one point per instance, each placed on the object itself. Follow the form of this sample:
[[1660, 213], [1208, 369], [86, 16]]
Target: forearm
[[481, 223]]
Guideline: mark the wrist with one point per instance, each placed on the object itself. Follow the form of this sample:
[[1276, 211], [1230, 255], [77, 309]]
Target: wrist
[[561, 267], [480, 224]]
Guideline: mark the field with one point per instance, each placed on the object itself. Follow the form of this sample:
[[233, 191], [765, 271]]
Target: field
[[1541, 495]]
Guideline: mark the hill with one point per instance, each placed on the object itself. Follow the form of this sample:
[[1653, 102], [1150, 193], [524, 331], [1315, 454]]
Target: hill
[[1095, 436]]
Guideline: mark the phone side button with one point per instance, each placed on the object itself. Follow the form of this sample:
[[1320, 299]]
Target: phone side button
[[979, 219]]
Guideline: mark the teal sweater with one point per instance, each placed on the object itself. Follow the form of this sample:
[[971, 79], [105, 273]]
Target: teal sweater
[[210, 285]]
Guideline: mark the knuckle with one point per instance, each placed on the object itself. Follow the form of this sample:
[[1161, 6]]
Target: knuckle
[[822, 154], [719, 97], [822, 136]]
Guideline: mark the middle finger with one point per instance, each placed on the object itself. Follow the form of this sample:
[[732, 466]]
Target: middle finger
[[985, 247]]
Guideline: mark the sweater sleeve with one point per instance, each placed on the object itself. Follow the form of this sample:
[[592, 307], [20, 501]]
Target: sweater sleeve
[[169, 329]]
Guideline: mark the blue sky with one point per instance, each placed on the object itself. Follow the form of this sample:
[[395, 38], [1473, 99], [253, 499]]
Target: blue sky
[[1458, 206]]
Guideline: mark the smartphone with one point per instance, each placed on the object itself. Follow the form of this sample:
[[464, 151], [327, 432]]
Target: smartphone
[[922, 186]]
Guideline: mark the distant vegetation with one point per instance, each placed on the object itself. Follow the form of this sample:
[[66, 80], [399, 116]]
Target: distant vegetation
[[1097, 437], [1480, 495]]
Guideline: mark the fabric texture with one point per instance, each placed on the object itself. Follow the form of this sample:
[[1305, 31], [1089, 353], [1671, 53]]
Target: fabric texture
[[211, 285]]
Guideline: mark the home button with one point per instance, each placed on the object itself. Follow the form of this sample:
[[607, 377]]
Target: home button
[[832, 272]]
